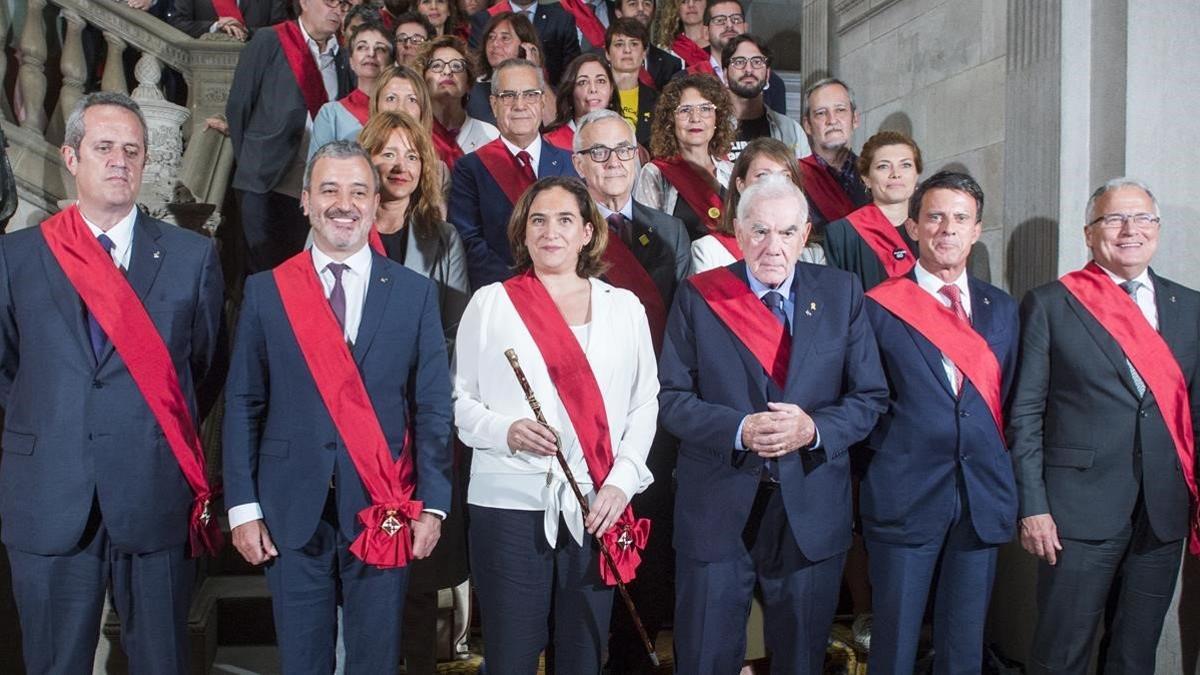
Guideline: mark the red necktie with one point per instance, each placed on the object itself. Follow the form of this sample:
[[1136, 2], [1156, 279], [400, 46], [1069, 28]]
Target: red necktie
[[526, 163], [951, 291]]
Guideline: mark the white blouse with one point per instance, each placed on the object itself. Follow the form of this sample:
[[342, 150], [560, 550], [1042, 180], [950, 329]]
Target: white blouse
[[654, 190], [488, 399]]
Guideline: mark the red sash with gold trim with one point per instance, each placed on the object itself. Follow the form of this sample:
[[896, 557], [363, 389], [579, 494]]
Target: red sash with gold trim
[[824, 190], [357, 103], [561, 137], [1155, 362], [228, 9], [952, 336], [883, 239], [626, 272], [384, 541], [697, 190], [304, 67], [446, 144], [731, 299], [580, 393], [116, 307], [504, 169], [586, 21], [693, 55]]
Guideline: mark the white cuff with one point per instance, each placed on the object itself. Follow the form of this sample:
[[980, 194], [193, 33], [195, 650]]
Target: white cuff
[[244, 513], [437, 512]]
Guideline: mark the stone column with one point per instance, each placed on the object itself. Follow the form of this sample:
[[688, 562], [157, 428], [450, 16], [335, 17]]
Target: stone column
[[164, 121]]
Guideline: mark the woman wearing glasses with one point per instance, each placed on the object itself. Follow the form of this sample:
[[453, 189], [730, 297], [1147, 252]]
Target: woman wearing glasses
[[507, 35], [341, 120], [587, 85], [448, 69], [586, 352], [691, 135]]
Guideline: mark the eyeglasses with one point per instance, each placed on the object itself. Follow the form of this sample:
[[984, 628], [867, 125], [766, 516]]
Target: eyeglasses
[[732, 19], [456, 65], [343, 5], [755, 62], [601, 153], [509, 97], [1117, 221], [415, 39], [703, 110]]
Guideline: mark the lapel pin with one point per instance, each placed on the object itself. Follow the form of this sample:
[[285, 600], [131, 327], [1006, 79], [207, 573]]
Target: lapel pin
[[383, 280], [812, 307], [158, 254], [1172, 298], [646, 242], [987, 301]]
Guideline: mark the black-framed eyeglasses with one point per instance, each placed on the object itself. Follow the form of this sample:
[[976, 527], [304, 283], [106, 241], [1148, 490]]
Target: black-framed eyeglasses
[[343, 5], [509, 97], [456, 65], [1116, 221], [601, 153], [415, 39], [755, 62], [722, 19]]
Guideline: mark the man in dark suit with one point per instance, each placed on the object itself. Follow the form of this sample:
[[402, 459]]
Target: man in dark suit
[[938, 492], [726, 19], [92, 496], [555, 27], [1099, 440], [769, 373], [661, 64], [270, 111], [313, 430], [480, 203], [200, 17]]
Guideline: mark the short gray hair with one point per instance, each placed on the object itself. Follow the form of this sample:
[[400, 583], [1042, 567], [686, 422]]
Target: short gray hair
[[73, 135], [806, 108], [774, 186], [340, 150], [595, 116], [1116, 184], [517, 63]]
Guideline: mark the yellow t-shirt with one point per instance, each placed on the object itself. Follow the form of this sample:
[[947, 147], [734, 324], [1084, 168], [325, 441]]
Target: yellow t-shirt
[[629, 104]]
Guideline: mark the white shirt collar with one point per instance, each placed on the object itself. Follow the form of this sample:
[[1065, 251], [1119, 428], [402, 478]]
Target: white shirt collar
[[626, 210], [121, 235], [933, 285], [528, 9], [1143, 279], [331, 45], [359, 262], [534, 150]]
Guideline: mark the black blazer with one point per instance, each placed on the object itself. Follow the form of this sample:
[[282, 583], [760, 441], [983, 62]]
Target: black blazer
[[647, 99], [556, 28], [660, 243], [196, 17], [663, 65], [267, 114], [1082, 442], [846, 250]]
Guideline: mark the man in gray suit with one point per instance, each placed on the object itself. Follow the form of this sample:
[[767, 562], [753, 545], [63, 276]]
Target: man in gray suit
[[1101, 440]]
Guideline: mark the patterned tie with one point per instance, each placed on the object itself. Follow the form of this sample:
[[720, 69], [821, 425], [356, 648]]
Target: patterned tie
[[526, 162], [95, 332], [1131, 287], [337, 296], [774, 302], [951, 291], [616, 225]]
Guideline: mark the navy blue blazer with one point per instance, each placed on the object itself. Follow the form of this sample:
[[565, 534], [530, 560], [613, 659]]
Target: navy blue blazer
[[280, 446], [480, 210], [927, 434], [555, 28], [78, 429], [710, 382]]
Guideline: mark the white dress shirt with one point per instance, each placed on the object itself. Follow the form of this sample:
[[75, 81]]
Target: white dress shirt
[[1145, 295], [325, 62], [474, 133], [626, 210], [933, 285], [121, 235], [534, 150], [354, 282]]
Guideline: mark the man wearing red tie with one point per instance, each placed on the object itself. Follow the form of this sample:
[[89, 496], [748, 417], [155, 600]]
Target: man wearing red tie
[[1102, 433]]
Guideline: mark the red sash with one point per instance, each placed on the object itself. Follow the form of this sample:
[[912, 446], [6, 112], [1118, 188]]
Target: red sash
[[389, 484], [576, 385], [1154, 361], [228, 8], [119, 311], [357, 103], [697, 190], [952, 336], [884, 239], [561, 137], [824, 190], [303, 66], [693, 55], [446, 144], [502, 6], [387, 18], [504, 169], [646, 78], [625, 271], [375, 240], [748, 319], [586, 21]]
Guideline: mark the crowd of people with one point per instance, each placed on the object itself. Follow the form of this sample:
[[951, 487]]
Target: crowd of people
[[541, 300]]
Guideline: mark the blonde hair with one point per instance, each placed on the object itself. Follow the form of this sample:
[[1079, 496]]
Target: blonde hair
[[419, 87]]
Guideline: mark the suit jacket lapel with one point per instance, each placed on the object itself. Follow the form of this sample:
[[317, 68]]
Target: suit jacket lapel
[[931, 354], [550, 164], [749, 362], [379, 291], [807, 315], [145, 261], [1105, 342], [68, 301]]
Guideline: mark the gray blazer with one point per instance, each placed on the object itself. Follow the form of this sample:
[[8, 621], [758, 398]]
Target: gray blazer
[[443, 261]]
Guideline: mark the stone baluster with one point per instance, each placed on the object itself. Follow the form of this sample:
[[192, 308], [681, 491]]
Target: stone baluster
[[114, 64], [5, 21], [74, 72], [164, 122], [32, 75]]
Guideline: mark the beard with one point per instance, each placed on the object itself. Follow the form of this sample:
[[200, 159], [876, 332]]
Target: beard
[[747, 91]]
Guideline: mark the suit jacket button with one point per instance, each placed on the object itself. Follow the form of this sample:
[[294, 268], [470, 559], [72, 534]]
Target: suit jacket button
[[964, 413], [1143, 414]]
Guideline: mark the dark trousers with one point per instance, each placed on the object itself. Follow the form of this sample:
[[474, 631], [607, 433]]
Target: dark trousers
[[306, 587], [712, 599], [60, 599], [274, 227], [520, 579], [1126, 581], [901, 576], [420, 632]]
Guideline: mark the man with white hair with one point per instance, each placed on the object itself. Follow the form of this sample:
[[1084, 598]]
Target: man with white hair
[[769, 374]]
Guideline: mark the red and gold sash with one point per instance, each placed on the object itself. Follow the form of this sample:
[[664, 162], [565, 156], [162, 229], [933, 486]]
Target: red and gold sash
[[228, 9], [824, 190], [446, 144], [731, 299], [952, 336], [561, 137], [111, 300], [504, 169], [580, 393], [693, 55], [304, 67], [700, 193], [1155, 362], [626, 272], [357, 103], [883, 239], [586, 21], [383, 542]]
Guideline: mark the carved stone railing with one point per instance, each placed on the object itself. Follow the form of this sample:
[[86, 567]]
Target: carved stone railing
[[52, 74]]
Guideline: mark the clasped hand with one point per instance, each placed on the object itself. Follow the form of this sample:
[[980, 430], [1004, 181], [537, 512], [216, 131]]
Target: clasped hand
[[783, 428], [528, 436]]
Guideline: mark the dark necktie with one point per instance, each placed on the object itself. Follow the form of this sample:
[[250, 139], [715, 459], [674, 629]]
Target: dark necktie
[[526, 162], [337, 296], [1131, 287], [95, 332], [616, 225], [951, 291], [774, 302]]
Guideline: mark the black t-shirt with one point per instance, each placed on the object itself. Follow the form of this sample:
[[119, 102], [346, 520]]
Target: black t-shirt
[[396, 244], [747, 131]]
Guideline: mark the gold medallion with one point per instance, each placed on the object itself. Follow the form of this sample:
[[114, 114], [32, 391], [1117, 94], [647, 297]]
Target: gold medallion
[[391, 525], [714, 212]]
